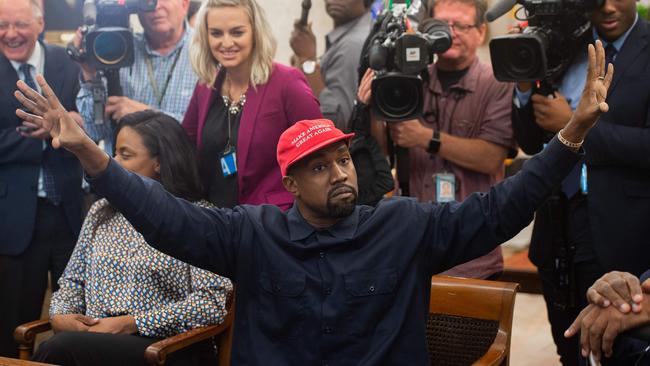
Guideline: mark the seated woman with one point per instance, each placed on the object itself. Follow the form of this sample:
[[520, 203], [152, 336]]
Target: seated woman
[[117, 294], [241, 105]]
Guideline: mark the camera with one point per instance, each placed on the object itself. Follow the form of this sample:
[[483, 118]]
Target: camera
[[399, 54], [108, 40], [556, 31]]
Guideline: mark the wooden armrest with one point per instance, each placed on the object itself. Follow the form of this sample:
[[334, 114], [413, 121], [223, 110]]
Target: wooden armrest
[[156, 353], [26, 333], [496, 354]]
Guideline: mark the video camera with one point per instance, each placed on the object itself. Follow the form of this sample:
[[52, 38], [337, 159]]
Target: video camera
[[556, 31], [399, 54], [108, 40]]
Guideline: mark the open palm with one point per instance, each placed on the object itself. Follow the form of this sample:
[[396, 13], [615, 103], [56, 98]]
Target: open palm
[[47, 112], [599, 78]]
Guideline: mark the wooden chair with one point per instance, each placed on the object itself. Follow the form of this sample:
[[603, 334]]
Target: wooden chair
[[470, 321], [156, 353]]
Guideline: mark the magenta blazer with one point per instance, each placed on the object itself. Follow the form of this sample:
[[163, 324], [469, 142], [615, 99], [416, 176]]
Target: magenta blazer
[[270, 109]]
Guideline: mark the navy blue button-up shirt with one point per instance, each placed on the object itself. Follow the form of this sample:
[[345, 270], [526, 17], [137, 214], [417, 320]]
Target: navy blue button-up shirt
[[356, 293]]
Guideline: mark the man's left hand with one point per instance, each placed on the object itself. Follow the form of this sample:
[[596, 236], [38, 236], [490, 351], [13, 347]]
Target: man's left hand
[[551, 114], [410, 133], [124, 324], [118, 107]]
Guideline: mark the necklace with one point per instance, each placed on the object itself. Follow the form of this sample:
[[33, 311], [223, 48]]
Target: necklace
[[234, 107]]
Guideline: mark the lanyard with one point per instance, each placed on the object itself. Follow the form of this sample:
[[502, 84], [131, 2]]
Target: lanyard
[[152, 79]]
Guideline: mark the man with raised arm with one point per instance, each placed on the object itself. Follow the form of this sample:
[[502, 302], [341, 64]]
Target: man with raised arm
[[328, 281]]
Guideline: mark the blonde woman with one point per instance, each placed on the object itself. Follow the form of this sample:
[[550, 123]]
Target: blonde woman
[[241, 104]]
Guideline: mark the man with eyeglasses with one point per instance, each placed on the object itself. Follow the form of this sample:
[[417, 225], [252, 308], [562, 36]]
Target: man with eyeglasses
[[459, 144], [160, 78], [40, 187]]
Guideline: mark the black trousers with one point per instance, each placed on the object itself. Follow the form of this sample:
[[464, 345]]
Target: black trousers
[[586, 274], [97, 349], [587, 270], [23, 278]]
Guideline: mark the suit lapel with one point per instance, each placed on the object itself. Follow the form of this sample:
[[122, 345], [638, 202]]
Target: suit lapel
[[248, 121], [8, 79], [635, 43], [53, 71]]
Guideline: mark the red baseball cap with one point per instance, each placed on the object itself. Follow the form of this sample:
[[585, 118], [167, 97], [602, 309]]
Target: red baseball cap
[[305, 137]]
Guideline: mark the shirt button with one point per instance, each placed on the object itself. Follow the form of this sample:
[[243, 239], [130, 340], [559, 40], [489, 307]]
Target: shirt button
[[321, 254], [327, 330], [371, 288], [328, 290]]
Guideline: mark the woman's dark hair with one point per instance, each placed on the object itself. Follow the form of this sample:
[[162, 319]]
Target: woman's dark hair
[[166, 140]]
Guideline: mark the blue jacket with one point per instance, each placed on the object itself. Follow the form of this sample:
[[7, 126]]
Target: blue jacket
[[21, 158], [356, 293]]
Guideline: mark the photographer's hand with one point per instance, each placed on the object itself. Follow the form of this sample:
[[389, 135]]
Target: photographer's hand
[[411, 133], [551, 114], [592, 102], [364, 93], [47, 112], [118, 107], [303, 42], [87, 71]]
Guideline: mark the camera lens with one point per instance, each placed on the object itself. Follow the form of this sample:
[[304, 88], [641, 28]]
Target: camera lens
[[522, 59], [110, 47], [397, 97]]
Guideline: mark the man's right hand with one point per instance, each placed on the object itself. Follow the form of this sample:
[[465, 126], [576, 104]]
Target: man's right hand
[[72, 322], [47, 112]]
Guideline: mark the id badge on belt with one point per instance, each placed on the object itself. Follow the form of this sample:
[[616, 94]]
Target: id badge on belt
[[229, 162], [445, 187]]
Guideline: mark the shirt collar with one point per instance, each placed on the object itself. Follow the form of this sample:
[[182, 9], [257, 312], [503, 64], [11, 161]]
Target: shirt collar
[[300, 229], [37, 59], [467, 83], [337, 33], [618, 43], [187, 34]]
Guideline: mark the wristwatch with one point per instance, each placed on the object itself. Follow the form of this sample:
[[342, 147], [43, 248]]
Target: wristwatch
[[309, 67], [434, 143]]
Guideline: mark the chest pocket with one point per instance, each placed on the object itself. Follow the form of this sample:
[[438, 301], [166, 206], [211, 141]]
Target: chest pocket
[[370, 295], [463, 127], [281, 304]]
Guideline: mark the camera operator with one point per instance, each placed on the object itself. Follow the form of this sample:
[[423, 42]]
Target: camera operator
[[40, 187], [334, 80], [606, 228], [459, 145], [161, 77]]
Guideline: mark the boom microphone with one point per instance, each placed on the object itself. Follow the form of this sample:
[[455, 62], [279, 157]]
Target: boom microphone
[[499, 9], [306, 5]]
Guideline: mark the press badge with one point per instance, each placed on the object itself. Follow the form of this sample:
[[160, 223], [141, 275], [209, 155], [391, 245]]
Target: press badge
[[229, 163], [583, 179], [445, 187]]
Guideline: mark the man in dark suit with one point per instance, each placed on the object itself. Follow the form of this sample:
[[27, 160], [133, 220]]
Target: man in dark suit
[[40, 187], [601, 214]]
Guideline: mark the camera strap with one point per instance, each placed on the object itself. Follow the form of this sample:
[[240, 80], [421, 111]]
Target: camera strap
[[160, 96]]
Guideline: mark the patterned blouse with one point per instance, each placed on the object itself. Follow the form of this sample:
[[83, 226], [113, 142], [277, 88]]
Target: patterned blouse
[[113, 272]]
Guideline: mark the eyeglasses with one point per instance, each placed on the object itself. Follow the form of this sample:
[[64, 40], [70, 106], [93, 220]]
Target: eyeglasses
[[461, 27], [19, 26]]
